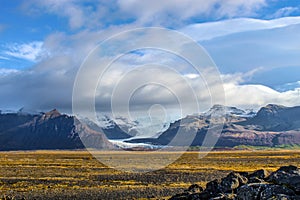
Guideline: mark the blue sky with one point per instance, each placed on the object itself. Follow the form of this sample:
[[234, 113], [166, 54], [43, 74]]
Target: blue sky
[[255, 44]]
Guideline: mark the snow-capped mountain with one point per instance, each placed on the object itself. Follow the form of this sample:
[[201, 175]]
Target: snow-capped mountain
[[273, 125], [145, 127], [229, 110]]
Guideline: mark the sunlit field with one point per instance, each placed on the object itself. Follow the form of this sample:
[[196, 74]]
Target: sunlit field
[[70, 174]]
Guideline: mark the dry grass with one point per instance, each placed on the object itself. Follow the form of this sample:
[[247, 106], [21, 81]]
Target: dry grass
[[76, 174]]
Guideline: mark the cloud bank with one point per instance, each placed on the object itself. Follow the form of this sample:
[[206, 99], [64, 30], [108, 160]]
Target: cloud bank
[[49, 83], [243, 49]]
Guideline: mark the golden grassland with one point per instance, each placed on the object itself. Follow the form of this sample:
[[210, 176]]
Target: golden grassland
[[77, 174]]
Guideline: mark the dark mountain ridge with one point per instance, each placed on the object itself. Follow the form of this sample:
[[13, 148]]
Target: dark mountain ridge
[[276, 118], [50, 130]]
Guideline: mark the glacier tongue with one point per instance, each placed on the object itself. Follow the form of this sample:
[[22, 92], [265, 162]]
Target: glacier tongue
[[126, 145]]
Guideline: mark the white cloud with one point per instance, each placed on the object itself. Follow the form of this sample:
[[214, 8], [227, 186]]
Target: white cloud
[[161, 12], [191, 76], [64, 8], [255, 96], [286, 11], [147, 12], [289, 86], [4, 58], [210, 30], [237, 93], [5, 71], [29, 51]]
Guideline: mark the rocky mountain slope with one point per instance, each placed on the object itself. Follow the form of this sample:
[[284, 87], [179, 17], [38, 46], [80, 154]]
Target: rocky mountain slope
[[50, 130], [275, 118], [273, 125]]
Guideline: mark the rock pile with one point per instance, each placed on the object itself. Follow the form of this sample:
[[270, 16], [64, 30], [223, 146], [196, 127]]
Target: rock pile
[[281, 184]]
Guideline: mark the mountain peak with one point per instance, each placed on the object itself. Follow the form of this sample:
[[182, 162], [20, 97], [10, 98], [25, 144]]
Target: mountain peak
[[274, 106], [217, 108], [222, 109], [52, 114], [50, 130], [270, 110]]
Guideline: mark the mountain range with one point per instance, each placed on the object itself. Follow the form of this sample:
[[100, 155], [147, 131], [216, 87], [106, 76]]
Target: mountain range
[[272, 125]]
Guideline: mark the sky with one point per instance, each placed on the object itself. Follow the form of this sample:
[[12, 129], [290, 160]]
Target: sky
[[255, 45]]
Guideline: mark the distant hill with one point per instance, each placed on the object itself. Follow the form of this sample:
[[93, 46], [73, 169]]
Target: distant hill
[[50, 130], [272, 125]]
